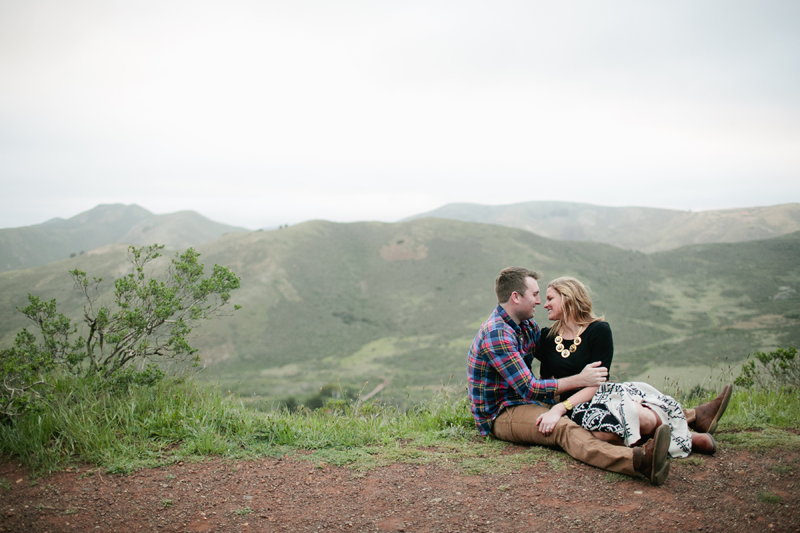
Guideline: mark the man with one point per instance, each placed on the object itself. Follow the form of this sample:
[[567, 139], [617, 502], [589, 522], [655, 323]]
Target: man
[[504, 394]]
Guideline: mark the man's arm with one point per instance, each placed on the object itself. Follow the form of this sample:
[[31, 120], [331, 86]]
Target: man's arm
[[504, 357], [592, 375]]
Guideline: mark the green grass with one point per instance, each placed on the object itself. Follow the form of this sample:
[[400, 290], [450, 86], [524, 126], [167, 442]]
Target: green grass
[[760, 439], [185, 420], [752, 409], [693, 460], [769, 497], [759, 419]]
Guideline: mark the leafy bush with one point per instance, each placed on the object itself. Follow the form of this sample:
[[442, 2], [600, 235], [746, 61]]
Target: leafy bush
[[23, 368], [148, 323], [777, 369], [124, 378], [330, 396]]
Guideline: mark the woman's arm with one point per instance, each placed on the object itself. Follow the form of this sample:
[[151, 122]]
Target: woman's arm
[[548, 420]]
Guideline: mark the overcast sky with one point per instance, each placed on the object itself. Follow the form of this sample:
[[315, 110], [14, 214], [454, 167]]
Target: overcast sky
[[259, 113]]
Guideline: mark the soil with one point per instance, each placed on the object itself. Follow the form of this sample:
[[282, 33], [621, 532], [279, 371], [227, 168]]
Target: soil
[[732, 491]]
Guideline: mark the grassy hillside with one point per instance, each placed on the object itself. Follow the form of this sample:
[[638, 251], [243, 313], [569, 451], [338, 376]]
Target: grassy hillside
[[633, 228], [57, 239], [356, 303]]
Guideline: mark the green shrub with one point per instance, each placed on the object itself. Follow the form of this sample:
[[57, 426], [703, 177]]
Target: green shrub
[[126, 377], [331, 396], [148, 323], [777, 369], [23, 367]]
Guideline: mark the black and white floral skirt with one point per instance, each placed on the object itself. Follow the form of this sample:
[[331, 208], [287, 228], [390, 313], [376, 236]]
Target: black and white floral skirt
[[612, 409], [594, 415]]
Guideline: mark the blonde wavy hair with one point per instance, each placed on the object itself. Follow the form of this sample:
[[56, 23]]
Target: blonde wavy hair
[[576, 304]]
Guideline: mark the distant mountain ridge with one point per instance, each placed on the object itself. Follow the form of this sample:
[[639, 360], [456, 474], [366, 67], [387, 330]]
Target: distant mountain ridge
[[632, 228], [365, 301], [59, 238]]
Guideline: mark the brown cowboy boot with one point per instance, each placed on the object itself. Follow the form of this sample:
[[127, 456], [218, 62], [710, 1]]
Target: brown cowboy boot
[[703, 443], [652, 460], [708, 414]]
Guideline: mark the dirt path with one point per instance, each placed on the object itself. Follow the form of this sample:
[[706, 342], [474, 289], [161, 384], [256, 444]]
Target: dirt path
[[376, 390], [719, 493]]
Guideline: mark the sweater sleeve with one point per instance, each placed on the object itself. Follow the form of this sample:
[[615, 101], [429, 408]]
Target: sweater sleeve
[[603, 345]]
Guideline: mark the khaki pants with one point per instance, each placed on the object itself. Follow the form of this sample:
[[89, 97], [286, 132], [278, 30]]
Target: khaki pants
[[518, 424]]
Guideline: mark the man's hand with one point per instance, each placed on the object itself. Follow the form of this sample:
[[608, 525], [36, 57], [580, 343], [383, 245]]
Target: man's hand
[[592, 375]]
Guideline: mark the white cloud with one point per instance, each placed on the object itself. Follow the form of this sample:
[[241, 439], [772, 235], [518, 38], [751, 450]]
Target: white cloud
[[357, 110]]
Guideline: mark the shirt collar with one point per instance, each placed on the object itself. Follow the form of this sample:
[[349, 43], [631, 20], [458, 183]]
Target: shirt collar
[[507, 318], [526, 324]]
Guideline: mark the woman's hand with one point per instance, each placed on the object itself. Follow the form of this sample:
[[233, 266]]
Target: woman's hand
[[548, 420]]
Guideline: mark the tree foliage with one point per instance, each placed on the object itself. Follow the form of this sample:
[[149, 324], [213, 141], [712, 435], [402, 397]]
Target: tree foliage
[[23, 368], [149, 322], [776, 369]]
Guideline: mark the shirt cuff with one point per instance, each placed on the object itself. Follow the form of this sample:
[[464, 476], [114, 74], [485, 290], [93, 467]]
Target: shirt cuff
[[551, 388]]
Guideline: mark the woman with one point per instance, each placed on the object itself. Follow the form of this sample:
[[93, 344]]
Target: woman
[[622, 413]]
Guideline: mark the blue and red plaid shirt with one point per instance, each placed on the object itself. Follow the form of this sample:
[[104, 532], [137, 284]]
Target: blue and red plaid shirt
[[498, 369]]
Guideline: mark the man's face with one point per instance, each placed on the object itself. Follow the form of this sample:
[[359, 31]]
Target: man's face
[[526, 303]]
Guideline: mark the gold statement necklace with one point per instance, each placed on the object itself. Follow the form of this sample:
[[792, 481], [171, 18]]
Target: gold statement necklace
[[575, 343]]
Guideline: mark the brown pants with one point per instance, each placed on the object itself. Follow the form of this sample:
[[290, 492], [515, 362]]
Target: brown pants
[[518, 424]]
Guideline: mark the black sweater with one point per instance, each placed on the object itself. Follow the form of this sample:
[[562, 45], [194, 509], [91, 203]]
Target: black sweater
[[596, 345]]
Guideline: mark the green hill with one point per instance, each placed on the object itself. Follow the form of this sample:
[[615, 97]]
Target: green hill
[[57, 238], [633, 228], [364, 301]]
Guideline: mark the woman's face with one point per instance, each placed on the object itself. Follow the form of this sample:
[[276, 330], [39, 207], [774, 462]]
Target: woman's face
[[553, 304]]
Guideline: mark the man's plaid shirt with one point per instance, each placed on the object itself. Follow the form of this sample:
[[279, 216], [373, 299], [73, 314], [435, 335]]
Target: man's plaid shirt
[[498, 370]]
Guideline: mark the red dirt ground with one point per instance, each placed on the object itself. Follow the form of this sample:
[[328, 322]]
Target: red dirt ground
[[721, 493]]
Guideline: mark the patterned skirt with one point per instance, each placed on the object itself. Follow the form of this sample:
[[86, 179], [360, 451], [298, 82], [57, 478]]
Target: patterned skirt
[[596, 416], [612, 410]]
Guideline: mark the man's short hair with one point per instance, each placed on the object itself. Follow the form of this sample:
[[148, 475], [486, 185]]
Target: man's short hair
[[512, 279]]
